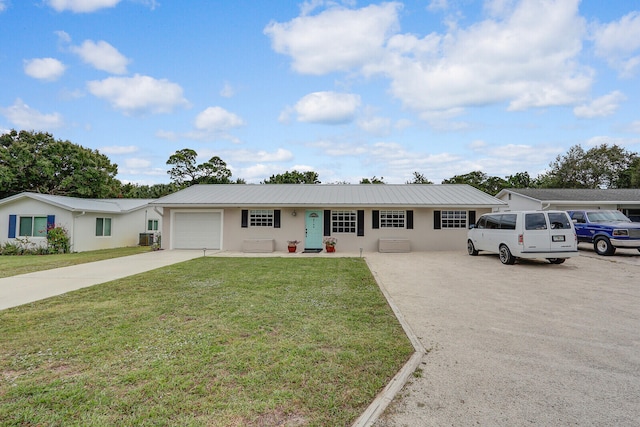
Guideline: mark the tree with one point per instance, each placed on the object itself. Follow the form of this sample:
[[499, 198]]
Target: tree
[[35, 161], [186, 172], [599, 167], [419, 178], [479, 180], [294, 177], [520, 180], [374, 180], [155, 191]]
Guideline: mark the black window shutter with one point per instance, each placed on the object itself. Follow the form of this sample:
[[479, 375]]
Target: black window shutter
[[327, 223], [375, 219], [245, 218], [436, 220], [360, 223], [472, 217], [276, 218], [409, 220]]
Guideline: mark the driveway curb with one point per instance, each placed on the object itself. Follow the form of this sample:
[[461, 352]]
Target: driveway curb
[[386, 396]]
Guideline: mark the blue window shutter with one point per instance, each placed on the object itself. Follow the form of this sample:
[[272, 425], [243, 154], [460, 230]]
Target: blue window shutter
[[409, 220], [51, 222], [12, 226]]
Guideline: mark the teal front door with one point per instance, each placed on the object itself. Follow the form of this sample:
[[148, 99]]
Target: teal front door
[[313, 223]]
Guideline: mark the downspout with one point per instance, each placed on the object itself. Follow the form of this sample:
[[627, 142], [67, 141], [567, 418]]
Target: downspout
[[544, 208], [155, 208], [73, 243]]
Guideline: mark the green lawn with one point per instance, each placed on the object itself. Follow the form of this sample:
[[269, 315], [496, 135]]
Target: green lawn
[[12, 265], [208, 342]]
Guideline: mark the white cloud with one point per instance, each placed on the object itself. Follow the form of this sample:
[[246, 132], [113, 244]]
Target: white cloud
[[609, 140], [25, 117], [327, 107], [216, 119], [379, 126], [81, 6], [139, 94], [3, 6], [337, 39], [525, 55], [260, 156], [619, 43], [136, 163], [49, 69], [102, 56], [119, 149], [227, 90], [601, 107], [527, 59]]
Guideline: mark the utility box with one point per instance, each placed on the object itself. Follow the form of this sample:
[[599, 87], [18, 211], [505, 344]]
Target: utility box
[[146, 239]]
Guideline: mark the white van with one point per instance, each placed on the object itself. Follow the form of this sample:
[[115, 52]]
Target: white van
[[524, 234]]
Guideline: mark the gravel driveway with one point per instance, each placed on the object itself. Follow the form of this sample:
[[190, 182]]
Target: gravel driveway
[[528, 344]]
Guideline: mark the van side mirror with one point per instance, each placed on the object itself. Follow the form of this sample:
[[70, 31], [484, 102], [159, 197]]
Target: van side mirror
[[472, 226]]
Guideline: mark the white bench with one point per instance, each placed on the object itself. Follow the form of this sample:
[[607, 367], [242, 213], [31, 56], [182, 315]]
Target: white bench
[[394, 245], [258, 245]]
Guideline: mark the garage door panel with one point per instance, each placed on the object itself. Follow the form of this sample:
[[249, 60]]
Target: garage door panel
[[197, 230]]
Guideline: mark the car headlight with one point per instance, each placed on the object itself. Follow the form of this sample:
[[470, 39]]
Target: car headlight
[[621, 232]]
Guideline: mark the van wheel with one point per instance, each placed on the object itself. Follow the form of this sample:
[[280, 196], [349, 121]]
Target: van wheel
[[472, 249], [556, 260], [603, 246], [505, 255]]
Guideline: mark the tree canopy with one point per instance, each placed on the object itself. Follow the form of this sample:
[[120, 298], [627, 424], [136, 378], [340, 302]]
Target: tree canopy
[[186, 172], [294, 177], [35, 161]]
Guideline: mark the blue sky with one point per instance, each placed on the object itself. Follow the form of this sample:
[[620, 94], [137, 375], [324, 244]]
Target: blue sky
[[349, 89]]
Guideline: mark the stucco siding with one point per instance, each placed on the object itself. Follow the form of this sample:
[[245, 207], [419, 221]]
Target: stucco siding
[[423, 236]]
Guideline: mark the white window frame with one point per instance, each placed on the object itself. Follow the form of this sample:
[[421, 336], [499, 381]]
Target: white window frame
[[453, 219], [152, 225], [34, 231], [393, 219], [104, 222], [344, 221], [261, 217]]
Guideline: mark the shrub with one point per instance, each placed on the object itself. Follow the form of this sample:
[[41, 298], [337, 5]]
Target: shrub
[[58, 240]]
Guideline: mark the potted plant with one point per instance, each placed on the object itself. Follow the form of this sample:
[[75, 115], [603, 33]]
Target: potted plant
[[292, 245], [330, 244]]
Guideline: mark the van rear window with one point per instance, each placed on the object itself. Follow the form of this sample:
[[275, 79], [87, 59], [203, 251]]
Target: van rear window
[[559, 220], [535, 221]]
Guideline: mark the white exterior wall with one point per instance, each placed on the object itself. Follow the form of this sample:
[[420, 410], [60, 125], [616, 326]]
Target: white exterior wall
[[125, 228], [30, 207], [519, 203], [423, 236]]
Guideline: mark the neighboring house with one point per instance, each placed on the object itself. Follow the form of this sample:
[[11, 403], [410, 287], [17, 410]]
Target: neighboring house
[[625, 200], [91, 223], [369, 217]]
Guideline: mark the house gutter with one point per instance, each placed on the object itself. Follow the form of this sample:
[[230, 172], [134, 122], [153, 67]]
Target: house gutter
[[73, 243]]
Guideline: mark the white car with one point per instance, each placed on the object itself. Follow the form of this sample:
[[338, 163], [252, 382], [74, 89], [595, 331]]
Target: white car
[[524, 234]]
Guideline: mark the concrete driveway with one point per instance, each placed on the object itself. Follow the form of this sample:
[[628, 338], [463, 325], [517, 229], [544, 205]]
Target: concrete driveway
[[528, 344]]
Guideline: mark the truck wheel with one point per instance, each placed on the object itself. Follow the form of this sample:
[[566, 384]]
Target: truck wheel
[[505, 255], [472, 249], [603, 246]]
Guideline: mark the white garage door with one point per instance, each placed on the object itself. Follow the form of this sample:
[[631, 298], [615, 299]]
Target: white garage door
[[197, 230]]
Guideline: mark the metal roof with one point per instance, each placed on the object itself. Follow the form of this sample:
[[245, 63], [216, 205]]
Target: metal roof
[[77, 204], [329, 195], [614, 195]]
